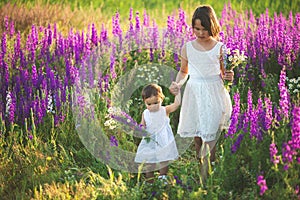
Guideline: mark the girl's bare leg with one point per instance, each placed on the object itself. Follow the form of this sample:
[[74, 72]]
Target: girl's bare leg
[[213, 154], [207, 152], [150, 173], [164, 169], [198, 145]]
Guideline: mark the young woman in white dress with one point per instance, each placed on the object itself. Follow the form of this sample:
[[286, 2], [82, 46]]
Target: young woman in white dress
[[206, 104]]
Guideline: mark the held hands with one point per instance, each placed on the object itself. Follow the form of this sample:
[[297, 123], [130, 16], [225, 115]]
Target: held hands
[[174, 88], [229, 75]]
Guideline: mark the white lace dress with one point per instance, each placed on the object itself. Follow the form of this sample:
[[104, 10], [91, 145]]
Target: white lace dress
[[206, 105], [161, 145]]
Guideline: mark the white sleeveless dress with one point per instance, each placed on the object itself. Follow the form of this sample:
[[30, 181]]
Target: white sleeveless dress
[[161, 146], [206, 105]]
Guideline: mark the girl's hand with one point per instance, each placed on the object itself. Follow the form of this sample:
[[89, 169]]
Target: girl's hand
[[174, 88], [229, 75]]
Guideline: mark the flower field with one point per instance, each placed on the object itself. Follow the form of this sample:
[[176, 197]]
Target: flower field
[[70, 108]]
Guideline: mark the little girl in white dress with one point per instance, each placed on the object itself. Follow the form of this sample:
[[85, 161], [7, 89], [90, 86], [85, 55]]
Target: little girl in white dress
[[160, 146]]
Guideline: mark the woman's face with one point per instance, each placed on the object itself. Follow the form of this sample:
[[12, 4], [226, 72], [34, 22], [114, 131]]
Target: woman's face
[[200, 32], [153, 103]]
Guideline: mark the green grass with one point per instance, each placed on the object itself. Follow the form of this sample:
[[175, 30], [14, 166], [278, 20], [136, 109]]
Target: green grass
[[158, 7]]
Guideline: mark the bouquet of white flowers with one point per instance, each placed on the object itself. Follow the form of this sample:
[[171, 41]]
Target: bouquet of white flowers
[[232, 59]]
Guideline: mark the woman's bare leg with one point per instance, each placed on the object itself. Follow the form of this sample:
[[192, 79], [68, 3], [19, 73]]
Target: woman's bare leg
[[150, 173], [207, 153], [198, 145], [164, 169]]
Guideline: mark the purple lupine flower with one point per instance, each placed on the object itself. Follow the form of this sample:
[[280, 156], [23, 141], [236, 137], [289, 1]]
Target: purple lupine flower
[[277, 117], [182, 18], [39, 111], [137, 22], [235, 116], [3, 45], [261, 114], [146, 19], [113, 141], [295, 141], [6, 24], [261, 182], [112, 62], [100, 79], [155, 35], [237, 143], [116, 31], [12, 29], [54, 31], [49, 36], [287, 155], [81, 103], [255, 130], [94, 37], [170, 28], [248, 113], [34, 76], [130, 14], [103, 35], [17, 46], [284, 101], [254, 124], [273, 154], [63, 95], [268, 114], [90, 74], [33, 42], [106, 80]]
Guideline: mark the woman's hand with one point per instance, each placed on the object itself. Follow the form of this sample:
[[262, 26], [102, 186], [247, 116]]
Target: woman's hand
[[174, 88], [229, 74]]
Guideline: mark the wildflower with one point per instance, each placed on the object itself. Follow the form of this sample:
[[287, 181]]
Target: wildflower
[[273, 151], [113, 141], [237, 143], [262, 183], [268, 113], [10, 106], [295, 143], [233, 58], [94, 35], [284, 95], [235, 116], [287, 154]]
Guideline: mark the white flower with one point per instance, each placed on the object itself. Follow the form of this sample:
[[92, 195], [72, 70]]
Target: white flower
[[50, 104], [8, 102]]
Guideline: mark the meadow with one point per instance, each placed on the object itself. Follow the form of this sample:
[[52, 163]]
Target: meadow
[[70, 81]]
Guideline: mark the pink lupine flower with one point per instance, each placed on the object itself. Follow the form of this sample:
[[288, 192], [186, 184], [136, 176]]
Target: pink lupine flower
[[261, 182]]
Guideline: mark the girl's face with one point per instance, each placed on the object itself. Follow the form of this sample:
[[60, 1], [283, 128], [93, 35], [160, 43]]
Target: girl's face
[[153, 103], [200, 32]]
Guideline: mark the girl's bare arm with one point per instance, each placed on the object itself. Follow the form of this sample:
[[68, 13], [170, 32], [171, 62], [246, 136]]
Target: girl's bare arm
[[173, 107]]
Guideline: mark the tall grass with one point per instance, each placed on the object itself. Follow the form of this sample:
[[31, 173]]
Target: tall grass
[[78, 14]]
